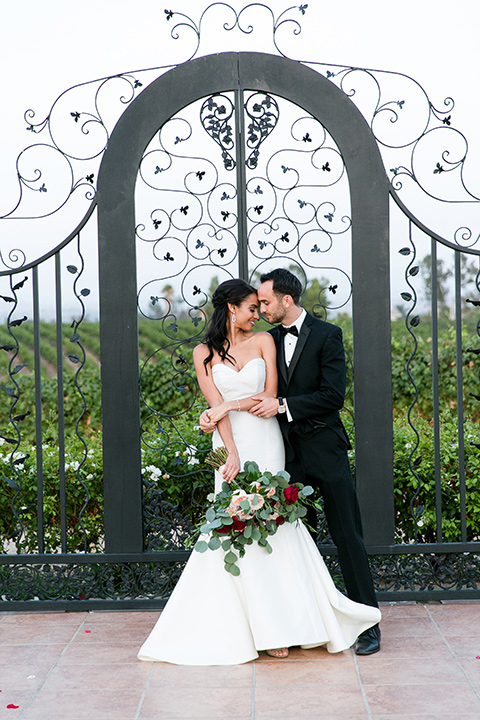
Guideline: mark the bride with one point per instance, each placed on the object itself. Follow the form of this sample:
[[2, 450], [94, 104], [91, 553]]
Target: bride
[[279, 600]]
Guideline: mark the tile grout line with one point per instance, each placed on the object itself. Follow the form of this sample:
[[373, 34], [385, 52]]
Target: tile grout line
[[476, 692], [360, 682], [142, 698], [40, 687]]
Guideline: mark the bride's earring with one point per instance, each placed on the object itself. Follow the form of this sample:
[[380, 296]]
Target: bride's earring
[[233, 317]]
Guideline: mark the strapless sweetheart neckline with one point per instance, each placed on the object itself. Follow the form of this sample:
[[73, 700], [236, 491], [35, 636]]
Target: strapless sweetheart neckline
[[220, 364]]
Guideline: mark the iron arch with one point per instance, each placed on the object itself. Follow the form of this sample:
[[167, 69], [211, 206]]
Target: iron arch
[[369, 195]]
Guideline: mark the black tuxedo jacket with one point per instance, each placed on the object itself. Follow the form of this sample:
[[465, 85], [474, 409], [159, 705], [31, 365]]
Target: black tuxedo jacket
[[314, 383]]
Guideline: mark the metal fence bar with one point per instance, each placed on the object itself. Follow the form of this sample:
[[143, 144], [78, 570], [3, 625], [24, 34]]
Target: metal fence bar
[[38, 412], [60, 405], [446, 548], [435, 392], [241, 186], [459, 365]]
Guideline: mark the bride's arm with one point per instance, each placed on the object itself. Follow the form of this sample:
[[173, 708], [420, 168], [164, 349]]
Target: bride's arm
[[213, 397]]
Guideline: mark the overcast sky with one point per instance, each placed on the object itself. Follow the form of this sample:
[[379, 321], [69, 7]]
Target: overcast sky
[[46, 47]]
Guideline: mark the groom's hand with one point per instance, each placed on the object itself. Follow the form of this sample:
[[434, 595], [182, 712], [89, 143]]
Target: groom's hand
[[266, 406], [206, 425]]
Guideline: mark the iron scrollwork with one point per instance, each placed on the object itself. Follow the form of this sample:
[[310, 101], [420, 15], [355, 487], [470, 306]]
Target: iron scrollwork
[[216, 117]]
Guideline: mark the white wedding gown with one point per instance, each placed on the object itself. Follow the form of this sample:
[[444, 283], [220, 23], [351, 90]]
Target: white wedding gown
[[279, 600]]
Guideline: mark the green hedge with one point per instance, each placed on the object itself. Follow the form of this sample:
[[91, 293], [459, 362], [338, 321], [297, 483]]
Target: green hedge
[[167, 384], [178, 470]]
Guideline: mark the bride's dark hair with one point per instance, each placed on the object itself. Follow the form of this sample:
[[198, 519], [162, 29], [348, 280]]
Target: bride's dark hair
[[233, 292]]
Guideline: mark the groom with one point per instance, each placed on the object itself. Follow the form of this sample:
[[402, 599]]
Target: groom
[[311, 389]]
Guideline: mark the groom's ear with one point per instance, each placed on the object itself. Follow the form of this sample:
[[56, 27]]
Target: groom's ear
[[287, 301]]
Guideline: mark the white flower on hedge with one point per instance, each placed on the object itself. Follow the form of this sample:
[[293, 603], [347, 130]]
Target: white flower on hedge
[[190, 453], [2, 441], [154, 471], [408, 446], [166, 476], [90, 476]]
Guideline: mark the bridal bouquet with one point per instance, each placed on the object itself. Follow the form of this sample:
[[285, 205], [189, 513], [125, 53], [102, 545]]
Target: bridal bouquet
[[249, 510]]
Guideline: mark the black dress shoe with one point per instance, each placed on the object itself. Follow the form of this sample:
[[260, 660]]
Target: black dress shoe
[[368, 642]]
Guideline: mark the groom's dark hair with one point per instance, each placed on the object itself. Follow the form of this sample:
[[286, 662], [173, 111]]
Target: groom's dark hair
[[284, 283]]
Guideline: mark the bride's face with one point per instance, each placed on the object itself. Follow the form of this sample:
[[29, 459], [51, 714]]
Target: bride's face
[[246, 314]]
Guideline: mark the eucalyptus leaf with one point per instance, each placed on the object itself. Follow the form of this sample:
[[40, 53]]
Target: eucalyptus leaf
[[226, 544], [214, 543], [307, 490], [233, 569], [256, 534], [201, 546], [216, 524], [230, 557], [248, 531], [210, 514]]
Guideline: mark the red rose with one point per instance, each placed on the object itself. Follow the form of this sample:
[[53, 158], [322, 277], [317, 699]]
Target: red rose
[[291, 494], [239, 525], [280, 520], [223, 530]]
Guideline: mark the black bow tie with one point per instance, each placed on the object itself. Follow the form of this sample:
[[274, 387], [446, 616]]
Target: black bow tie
[[285, 330]]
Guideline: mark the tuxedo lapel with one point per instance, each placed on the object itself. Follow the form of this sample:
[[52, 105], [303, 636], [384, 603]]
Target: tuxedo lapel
[[281, 364], [302, 339]]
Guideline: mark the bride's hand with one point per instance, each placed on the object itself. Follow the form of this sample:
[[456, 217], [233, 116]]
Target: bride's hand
[[206, 425], [231, 468], [217, 412]]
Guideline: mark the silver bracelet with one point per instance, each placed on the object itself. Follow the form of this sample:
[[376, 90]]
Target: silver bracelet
[[239, 408]]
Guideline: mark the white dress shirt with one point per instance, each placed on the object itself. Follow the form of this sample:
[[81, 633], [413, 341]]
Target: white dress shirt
[[291, 340]]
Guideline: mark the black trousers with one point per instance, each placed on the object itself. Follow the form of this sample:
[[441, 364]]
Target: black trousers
[[321, 460]]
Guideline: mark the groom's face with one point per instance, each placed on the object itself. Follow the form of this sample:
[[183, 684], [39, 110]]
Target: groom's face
[[271, 305]]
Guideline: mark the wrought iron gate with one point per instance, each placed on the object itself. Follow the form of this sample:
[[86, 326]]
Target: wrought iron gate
[[239, 96]]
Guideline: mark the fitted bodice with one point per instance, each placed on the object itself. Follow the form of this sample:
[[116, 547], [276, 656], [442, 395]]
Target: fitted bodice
[[235, 384], [256, 438]]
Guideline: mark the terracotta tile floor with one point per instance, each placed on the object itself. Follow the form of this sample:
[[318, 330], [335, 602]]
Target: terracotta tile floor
[[83, 666]]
